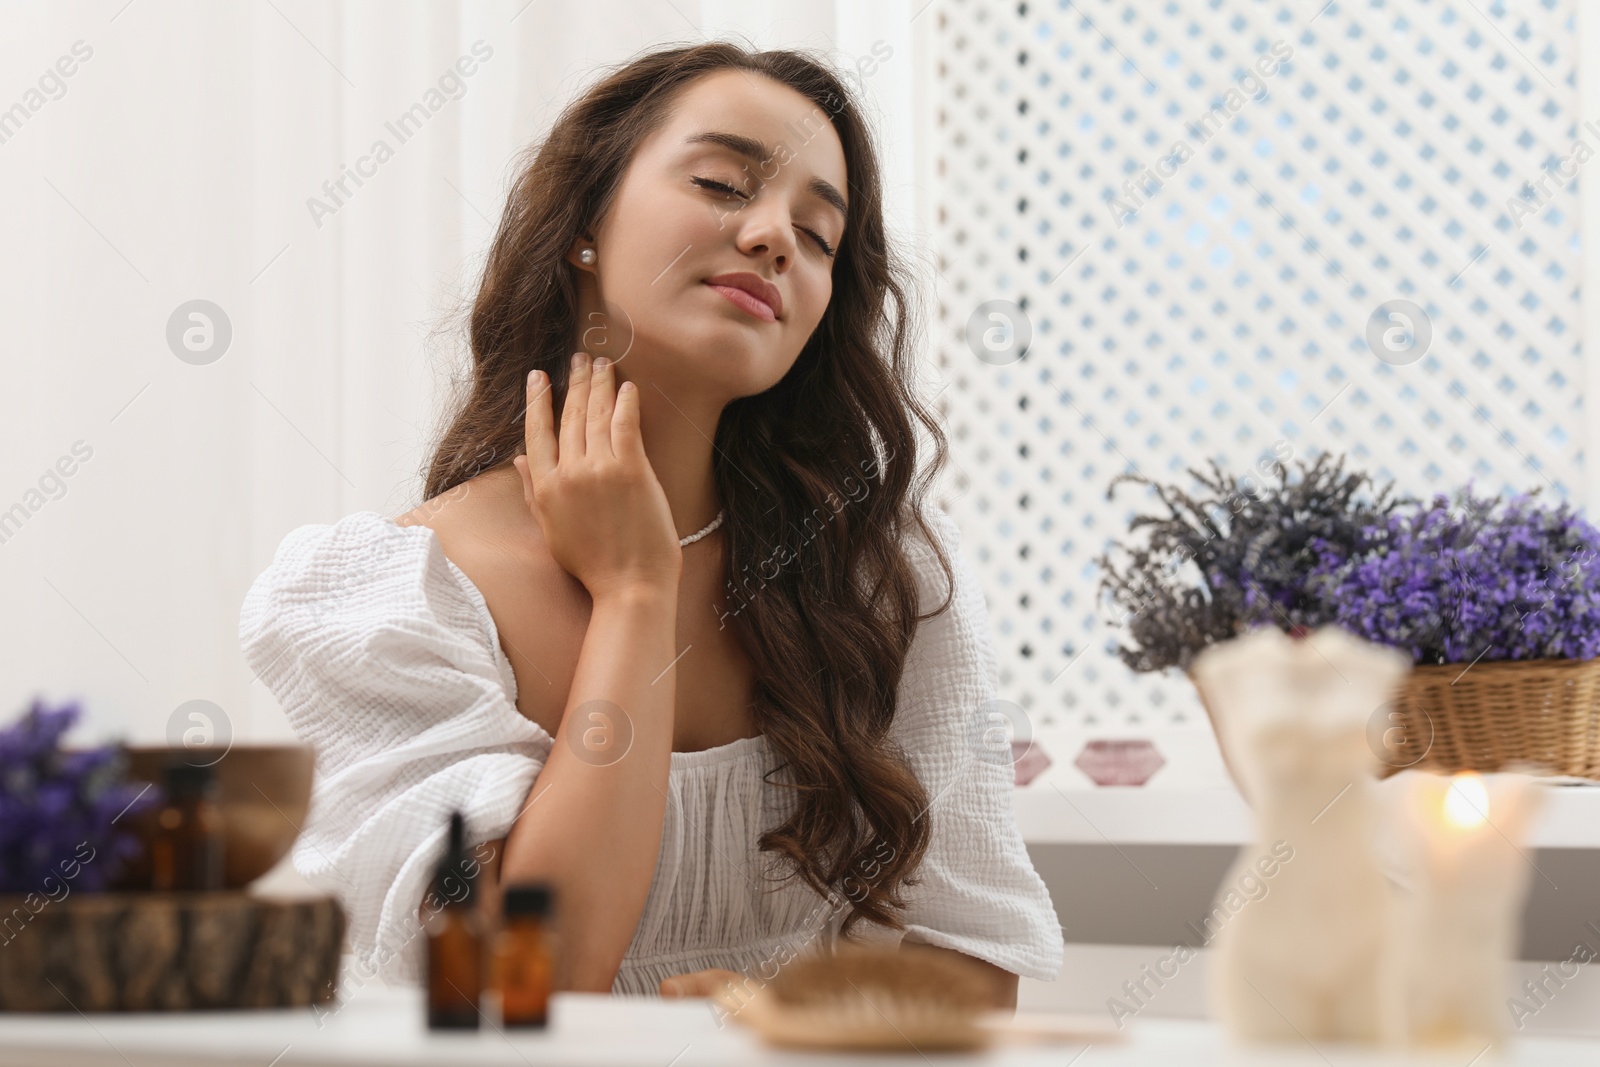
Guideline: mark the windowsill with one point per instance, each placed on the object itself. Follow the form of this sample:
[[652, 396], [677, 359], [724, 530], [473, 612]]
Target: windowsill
[[1049, 813], [1191, 801]]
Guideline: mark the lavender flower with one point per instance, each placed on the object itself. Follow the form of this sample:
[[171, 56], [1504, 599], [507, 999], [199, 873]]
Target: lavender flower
[[1230, 557], [1456, 582], [53, 802], [1450, 581]]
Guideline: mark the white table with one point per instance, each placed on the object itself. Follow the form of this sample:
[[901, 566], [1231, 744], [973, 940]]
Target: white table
[[385, 1026]]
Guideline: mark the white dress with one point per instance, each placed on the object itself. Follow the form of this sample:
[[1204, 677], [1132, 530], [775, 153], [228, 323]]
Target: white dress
[[386, 660]]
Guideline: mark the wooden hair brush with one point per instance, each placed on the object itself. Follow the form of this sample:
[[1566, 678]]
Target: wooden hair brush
[[891, 998]]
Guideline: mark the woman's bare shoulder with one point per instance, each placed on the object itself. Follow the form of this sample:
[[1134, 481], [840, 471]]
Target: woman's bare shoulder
[[484, 511], [485, 528], [539, 610]]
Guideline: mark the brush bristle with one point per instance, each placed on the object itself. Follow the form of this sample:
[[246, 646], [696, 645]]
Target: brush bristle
[[907, 981]]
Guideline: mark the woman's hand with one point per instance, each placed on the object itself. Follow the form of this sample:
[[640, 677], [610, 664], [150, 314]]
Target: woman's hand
[[699, 983], [594, 494]]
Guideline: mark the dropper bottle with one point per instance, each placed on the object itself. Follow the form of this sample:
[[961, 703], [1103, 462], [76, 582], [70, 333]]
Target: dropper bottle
[[455, 939]]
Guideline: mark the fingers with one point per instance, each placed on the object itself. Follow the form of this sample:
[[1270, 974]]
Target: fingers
[[626, 440], [574, 416], [539, 437], [602, 399], [698, 983]]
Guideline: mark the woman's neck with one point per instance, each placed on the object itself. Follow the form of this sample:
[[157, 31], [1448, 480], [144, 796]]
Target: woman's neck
[[678, 435]]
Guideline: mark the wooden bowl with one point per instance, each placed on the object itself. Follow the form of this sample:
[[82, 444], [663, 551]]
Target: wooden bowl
[[265, 793]]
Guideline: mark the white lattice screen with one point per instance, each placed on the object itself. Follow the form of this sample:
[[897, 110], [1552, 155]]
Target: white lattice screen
[[1228, 308]]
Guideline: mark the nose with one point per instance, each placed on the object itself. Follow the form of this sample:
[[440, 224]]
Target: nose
[[767, 230]]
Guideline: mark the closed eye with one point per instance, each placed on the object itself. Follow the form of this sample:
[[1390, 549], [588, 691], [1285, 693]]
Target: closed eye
[[724, 187], [827, 249], [721, 187]]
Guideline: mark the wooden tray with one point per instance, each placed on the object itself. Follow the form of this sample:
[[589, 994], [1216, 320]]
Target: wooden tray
[[167, 952]]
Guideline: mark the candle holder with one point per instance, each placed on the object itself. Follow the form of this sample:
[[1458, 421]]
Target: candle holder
[[1456, 923]]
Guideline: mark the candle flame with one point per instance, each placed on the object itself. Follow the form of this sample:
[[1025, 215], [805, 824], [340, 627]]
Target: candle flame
[[1466, 804]]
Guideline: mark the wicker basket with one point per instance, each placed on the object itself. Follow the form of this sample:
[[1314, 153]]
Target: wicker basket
[[1488, 716]]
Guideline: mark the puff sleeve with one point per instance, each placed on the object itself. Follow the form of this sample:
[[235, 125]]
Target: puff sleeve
[[384, 657], [980, 894]]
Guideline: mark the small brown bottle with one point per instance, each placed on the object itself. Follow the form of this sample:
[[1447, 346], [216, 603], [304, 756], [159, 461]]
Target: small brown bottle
[[524, 958], [186, 853], [455, 952]]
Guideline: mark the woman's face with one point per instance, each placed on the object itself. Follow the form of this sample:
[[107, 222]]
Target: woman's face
[[648, 301]]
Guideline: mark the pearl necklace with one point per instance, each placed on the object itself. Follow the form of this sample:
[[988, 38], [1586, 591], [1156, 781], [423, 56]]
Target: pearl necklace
[[692, 538]]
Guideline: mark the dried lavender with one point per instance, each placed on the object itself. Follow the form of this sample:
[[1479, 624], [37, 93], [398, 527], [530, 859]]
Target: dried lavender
[[1230, 558], [52, 802], [1474, 578]]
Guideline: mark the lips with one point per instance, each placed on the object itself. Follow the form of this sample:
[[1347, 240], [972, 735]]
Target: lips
[[751, 292]]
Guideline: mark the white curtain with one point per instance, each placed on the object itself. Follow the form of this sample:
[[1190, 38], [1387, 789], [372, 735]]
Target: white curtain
[[194, 153]]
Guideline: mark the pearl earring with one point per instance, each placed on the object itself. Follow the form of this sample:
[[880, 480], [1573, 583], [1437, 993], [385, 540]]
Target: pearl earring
[[587, 255]]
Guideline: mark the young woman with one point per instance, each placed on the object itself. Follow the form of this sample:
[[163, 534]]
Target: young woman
[[691, 652]]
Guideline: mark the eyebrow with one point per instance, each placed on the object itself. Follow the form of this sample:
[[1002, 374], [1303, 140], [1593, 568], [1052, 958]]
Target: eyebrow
[[753, 149]]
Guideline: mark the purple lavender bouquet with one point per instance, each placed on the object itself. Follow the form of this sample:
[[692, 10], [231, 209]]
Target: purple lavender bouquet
[[1470, 579], [60, 811], [1227, 556]]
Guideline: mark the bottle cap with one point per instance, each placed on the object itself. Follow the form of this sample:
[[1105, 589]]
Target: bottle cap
[[452, 880], [188, 780], [533, 899]]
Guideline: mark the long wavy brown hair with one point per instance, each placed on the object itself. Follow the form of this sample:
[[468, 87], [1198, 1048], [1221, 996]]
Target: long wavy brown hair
[[822, 596]]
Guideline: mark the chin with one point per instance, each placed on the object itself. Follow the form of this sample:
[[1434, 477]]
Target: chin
[[723, 350]]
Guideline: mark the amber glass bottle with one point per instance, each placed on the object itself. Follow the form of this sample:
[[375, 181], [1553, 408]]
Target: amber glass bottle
[[455, 941], [186, 853], [524, 958]]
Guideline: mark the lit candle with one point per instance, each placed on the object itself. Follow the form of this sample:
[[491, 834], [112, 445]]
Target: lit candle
[[1455, 927]]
